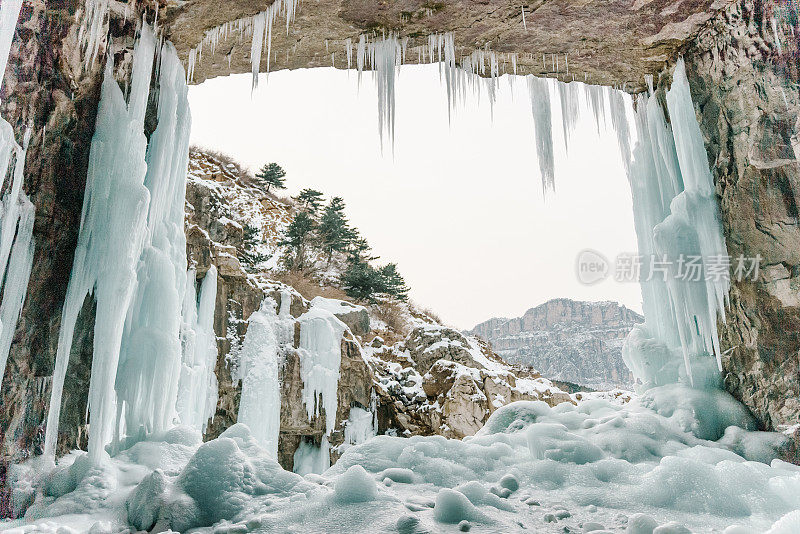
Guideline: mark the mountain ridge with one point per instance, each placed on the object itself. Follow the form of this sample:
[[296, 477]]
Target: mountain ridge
[[568, 340]]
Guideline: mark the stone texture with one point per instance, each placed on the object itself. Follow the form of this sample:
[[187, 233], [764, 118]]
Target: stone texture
[[563, 339], [745, 93]]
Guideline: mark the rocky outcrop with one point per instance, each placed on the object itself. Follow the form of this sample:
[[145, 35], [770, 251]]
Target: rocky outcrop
[[439, 381], [743, 72], [563, 339]]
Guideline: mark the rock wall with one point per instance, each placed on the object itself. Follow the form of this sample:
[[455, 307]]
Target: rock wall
[[47, 89], [743, 70]]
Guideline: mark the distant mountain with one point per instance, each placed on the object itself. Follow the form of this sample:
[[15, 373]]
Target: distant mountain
[[567, 340]]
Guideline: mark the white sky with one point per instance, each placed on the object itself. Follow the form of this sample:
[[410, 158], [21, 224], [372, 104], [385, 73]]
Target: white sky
[[459, 207]]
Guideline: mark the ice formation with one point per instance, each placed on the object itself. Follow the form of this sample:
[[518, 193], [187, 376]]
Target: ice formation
[[197, 386], [361, 425], [113, 223], [257, 27], [543, 123], [9, 14], [258, 368], [676, 215], [16, 210], [150, 355], [310, 458], [131, 256], [91, 32], [320, 359]]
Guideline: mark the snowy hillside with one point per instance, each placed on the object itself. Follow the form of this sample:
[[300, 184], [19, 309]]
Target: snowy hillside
[[563, 339]]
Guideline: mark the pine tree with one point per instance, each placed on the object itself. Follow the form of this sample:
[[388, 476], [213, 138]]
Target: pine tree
[[334, 232], [252, 238], [360, 281], [298, 236], [393, 284], [271, 175], [310, 199], [359, 249]]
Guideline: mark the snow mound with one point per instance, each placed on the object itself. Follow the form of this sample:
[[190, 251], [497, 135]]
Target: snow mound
[[550, 469]]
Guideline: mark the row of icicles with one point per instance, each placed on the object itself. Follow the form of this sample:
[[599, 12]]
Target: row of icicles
[[480, 70]]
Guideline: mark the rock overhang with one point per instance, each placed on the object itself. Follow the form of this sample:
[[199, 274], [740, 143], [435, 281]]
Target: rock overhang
[[605, 42]]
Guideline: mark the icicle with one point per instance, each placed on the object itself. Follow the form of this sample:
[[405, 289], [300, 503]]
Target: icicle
[[542, 120], [113, 224], [595, 95], [385, 56], [361, 55], [91, 32], [620, 123], [570, 107], [150, 354], [197, 387], [257, 44], [524, 24], [258, 27], [349, 46], [16, 239]]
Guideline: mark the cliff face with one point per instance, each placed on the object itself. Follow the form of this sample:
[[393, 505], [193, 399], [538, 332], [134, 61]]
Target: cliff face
[[743, 71], [48, 89], [579, 342], [419, 377]]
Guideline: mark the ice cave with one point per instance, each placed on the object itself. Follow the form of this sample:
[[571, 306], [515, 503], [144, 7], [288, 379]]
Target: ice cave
[[186, 349]]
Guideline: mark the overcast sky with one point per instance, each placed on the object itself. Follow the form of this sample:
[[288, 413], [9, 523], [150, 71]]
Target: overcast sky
[[458, 207]]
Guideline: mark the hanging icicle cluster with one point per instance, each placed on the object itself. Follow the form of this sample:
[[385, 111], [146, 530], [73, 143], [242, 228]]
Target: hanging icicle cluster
[[91, 32], [677, 222], [153, 354], [258, 28]]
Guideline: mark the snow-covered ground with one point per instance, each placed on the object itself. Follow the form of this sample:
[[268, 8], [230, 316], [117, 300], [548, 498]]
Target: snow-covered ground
[[619, 466]]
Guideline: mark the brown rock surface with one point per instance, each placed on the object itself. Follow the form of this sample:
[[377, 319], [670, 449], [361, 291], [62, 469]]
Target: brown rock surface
[[609, 42]]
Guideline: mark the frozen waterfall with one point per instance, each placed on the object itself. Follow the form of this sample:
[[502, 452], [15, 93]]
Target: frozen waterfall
[[131, 256], [16, 210], [320, 359], [676, 217], [268, 331]]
